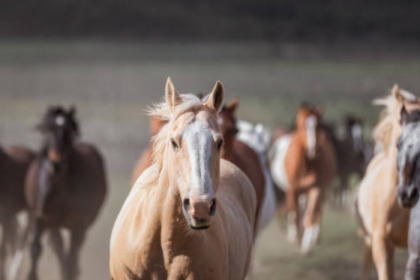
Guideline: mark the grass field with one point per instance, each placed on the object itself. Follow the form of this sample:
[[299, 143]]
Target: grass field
[[111, 84]]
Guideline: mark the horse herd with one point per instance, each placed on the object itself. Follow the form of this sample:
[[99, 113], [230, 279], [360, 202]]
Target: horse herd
[[207, 186]]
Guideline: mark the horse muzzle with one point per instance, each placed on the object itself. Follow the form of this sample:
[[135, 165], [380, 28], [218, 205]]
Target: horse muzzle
[[408, 196], [199, 212]]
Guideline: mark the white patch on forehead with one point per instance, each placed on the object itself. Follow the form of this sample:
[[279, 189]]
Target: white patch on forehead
[[311, 123], [220, 120], [60, 120], [199, 139], [356, 131]]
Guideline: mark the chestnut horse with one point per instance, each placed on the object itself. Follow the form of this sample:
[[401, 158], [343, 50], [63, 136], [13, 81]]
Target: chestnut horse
[[191, 214], [383, 222], [146, 157], [14, 163], [246, 158], [65, 188], [409, 185], [304, 163]]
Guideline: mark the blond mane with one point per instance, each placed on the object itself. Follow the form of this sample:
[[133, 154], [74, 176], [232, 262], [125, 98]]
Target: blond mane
[[163, 112], [390, 116]]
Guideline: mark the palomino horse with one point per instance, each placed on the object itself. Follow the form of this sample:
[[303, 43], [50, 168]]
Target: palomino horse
[[304, 162], [409, 185], [383, 222], [14, 163], [240, 153], [169, 226], [146, 160], [65, 188]]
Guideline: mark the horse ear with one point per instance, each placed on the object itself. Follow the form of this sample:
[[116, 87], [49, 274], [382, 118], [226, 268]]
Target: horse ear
[[403, 116], [396, 92], [172, 97], [72, 111], [233, 105], [215, 99]]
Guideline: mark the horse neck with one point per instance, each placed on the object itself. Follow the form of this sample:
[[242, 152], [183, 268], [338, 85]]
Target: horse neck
[[229, 149], [173, 224], [392, 153], [301, 139]]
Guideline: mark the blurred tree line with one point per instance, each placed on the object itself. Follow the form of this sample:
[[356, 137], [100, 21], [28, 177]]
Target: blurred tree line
[[278, 20]]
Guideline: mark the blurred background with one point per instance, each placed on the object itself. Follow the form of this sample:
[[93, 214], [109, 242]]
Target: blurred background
[[111, 59]]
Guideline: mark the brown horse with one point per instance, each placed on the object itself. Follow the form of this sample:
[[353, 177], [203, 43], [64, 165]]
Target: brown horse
[[240, 154], [65, 188], [383, 222], [169, 226], [146, 160], [14, 163], [304, 163]]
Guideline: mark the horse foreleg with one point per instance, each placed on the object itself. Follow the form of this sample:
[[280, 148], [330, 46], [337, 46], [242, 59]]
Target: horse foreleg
[[383, 256], [58, 248], [36, 249], [3, 248], [367, 263], [77, 236], [293, 216], [312, 221]]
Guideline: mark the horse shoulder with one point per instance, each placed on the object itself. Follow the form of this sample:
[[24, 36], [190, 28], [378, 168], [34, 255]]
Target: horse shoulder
[[294, 160], [130, 233], [31, 182], [377, 198], [238, 202], [237, 186]]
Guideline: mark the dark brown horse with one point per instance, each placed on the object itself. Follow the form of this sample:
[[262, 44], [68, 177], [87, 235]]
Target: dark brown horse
[[240, 153], [14, 163], [65, 188], [353, 155]]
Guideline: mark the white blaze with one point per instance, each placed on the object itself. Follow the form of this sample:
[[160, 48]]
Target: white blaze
[[198, 139], [60, 120], [311, 135]]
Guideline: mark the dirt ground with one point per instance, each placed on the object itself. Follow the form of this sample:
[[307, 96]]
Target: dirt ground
[[111, 85]]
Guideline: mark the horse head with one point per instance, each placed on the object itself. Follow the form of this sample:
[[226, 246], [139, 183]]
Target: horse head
[[308, 127], [408, 159], [193, 142], [228, 127], [59, 128]]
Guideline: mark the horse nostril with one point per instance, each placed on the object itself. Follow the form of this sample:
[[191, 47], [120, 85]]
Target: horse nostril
[[186, 203], [413, 193], [213, 207]]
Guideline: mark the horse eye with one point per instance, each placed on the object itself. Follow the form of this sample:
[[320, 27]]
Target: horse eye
[[174, 144], [219, 144]]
